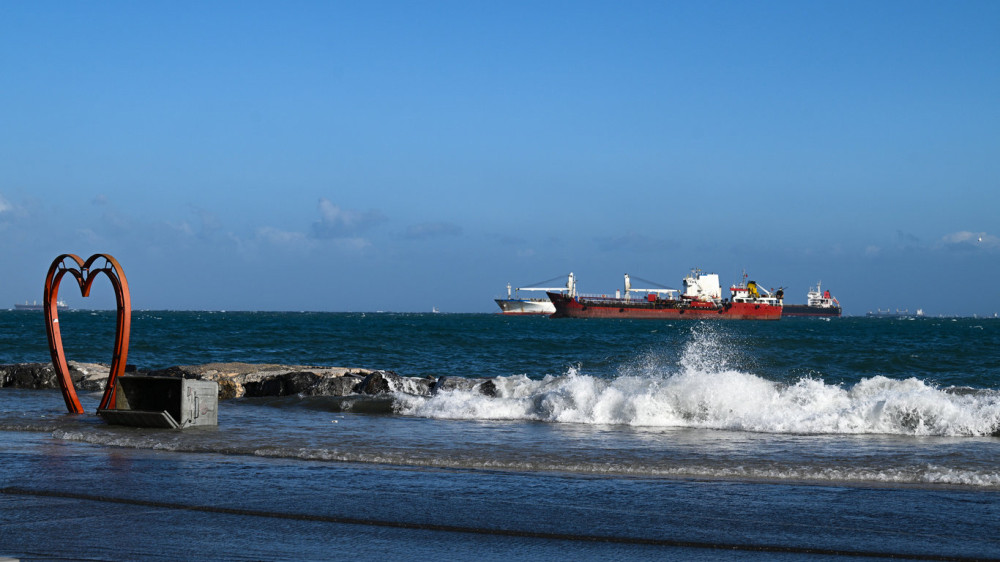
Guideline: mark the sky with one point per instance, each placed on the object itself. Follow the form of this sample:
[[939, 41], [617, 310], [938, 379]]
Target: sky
[[400, 156]]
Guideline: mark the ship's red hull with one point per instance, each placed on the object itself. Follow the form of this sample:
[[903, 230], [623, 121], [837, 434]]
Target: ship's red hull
[[591, 307]]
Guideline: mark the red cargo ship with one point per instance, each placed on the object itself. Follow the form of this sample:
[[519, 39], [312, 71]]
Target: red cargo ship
[[701, 299]]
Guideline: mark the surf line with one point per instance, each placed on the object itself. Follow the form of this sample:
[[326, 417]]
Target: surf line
[[17, 491]]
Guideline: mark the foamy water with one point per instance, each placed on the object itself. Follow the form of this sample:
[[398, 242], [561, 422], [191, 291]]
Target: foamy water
[[701, 390]]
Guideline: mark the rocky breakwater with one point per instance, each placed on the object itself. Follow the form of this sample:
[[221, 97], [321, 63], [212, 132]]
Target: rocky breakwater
[[238, 380]]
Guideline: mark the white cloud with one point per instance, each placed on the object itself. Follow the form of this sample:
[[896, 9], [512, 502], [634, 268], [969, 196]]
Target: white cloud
[[300, 241], [336, 222], [278, 236], [333, 214], [183, 227], [336, 228], [958, 237], [965, 239], [10, 212]]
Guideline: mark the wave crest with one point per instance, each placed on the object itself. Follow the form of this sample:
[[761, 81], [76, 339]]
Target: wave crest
[[705, 391], [727, 400]]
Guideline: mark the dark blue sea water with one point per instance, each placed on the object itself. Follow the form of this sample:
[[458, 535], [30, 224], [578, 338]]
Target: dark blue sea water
[[803, 438]]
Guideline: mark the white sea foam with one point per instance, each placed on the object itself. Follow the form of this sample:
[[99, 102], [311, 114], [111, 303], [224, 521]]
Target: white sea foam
[[703, 390]]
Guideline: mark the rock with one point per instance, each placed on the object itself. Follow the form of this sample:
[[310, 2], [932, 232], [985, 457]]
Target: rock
[[453, 383], [420, 387], [336, 386], [383, 382], [28, 375], [88, 376], [380, 382], [486, 387], [255, 379], [249, 379], [282, 385]]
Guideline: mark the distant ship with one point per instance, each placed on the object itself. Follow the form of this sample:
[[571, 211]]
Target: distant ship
[[701, 299], [515, 304], [898, 313], [819, 303], [35, 306]]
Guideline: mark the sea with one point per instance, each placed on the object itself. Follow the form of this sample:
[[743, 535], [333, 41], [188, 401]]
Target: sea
[[801, 439]]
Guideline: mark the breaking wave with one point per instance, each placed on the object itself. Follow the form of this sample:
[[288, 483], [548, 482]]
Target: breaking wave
[[704, 390]]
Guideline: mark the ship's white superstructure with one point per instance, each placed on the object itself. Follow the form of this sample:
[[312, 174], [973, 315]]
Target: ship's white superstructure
[[816, 297], [703, 287]]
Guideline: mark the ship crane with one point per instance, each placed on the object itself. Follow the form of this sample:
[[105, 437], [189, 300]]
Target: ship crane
[[570, 287], [629, 290], [765, 291]]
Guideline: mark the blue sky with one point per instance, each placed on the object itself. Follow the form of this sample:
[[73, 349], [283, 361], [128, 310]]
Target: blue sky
[[404, 155]]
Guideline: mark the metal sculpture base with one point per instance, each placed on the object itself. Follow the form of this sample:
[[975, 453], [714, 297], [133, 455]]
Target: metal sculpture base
[[165, 402]]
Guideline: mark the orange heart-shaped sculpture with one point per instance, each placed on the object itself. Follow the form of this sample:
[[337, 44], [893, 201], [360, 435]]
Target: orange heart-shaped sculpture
[[85, 275]]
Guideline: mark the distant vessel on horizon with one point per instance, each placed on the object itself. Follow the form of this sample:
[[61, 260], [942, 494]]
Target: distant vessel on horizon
[[818, 303], [898, 313], [60, 305], [515, 304]]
